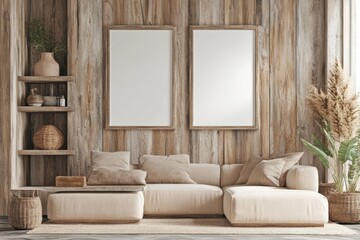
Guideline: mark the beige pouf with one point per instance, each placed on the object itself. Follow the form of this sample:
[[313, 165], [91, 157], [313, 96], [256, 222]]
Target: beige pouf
[[96, 207]]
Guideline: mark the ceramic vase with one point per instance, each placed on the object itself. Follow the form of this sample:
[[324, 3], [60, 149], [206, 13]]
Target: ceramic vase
[[47, 66], [34, 99]]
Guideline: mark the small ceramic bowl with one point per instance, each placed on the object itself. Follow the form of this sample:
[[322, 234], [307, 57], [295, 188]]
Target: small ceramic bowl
[[50, 100]]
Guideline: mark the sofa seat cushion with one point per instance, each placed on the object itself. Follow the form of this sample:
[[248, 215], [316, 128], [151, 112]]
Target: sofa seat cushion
[[261, 205], [95, 207], [183, 199]]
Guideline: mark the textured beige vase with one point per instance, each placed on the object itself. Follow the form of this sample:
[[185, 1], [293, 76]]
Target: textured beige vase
[[46, 66]]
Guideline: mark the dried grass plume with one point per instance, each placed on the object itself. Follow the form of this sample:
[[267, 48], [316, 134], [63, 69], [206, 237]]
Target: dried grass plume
[[339, 107]]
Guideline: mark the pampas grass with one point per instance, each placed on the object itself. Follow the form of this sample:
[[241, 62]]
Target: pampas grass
[[338, 106]]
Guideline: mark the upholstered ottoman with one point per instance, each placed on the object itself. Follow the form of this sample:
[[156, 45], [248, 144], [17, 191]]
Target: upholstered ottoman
[[96, 207], [268, 206]]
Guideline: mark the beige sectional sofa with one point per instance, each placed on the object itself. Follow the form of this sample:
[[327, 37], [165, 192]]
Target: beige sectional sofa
[[214, 194]]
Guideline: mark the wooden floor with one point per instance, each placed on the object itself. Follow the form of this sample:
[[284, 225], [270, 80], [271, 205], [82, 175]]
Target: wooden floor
[[7, 232]]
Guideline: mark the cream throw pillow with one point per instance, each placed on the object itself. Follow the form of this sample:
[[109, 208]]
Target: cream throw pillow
[[246, 170], [106, 176], [290, 160], [166, 169], [267, 173], [111, 160]]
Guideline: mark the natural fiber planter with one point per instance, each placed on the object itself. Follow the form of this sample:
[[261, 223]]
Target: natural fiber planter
[[25, 211], [344, 207], [326, 188], [48, 137]]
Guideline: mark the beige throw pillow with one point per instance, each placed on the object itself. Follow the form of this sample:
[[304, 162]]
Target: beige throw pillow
[[267, 173], [106, 176], [166, 169], [290, 160], [246, 170], [111, 160]]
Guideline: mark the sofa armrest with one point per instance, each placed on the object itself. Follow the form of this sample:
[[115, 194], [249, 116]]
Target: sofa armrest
[[303, 178]]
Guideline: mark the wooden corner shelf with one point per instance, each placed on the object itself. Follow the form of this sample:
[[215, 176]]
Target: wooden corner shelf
[[31, 109], [41, 79], [46, 152]]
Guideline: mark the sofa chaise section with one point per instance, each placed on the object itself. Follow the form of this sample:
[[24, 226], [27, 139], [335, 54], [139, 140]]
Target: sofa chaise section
[[267, 206]]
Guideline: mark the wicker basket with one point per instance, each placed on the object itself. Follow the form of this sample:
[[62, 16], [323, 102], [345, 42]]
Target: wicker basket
[[25, 211], [326, 188], [344, 207], [48, 137]]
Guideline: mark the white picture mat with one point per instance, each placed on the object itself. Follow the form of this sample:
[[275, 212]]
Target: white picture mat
[[140, 77], [223, 77]]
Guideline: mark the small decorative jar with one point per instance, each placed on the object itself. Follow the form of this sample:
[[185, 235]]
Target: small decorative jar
[[47, 66], [34, 99]]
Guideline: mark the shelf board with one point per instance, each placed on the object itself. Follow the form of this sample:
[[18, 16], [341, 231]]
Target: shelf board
[[41, 79], [97, 188], [44, 109], [46, 152]]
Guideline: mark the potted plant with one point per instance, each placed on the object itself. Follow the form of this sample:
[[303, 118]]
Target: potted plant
[[44, 43], [338, 112]]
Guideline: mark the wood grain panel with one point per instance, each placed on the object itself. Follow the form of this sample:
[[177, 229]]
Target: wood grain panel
[[239, 12], [205, 144], [311, 65], [85, 63], [283, 109], [5, 122], [43, 169], [298, 41], [13, 60]]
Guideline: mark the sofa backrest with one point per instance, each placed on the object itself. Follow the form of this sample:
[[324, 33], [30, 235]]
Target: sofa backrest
[[205, 173], [229, 174]]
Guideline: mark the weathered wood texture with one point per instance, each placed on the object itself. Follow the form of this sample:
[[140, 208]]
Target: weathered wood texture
[[279, 105], [283, 87], [311, 69], [85, 64], [44, 169], [159, 12], [5, 121], [293, 53], [13, 60]]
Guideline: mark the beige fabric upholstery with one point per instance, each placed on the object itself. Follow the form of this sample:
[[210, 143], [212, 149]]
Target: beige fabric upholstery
[[203, 173], [267, 173], [247, 169], [105, 176], [166, 169], [183, 199], [111, 160], [230, 173], [303, 177], [95, 207], [260, 205], [290, 160]]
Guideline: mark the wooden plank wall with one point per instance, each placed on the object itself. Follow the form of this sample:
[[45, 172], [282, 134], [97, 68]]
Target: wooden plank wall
[[293, 53], [44, 169], [284, 76], [5, 122], [13, 61]]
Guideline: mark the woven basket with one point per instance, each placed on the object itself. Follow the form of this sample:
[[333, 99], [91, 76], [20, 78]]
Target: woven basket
[[48, 137], [25, 211], [344, 207], [326, 188]]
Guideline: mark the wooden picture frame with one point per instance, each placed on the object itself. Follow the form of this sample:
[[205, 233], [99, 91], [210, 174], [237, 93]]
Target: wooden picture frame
[[213, 37], [143, 80]]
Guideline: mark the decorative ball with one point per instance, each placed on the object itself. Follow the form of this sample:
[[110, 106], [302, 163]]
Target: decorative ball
[[48, 137]]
